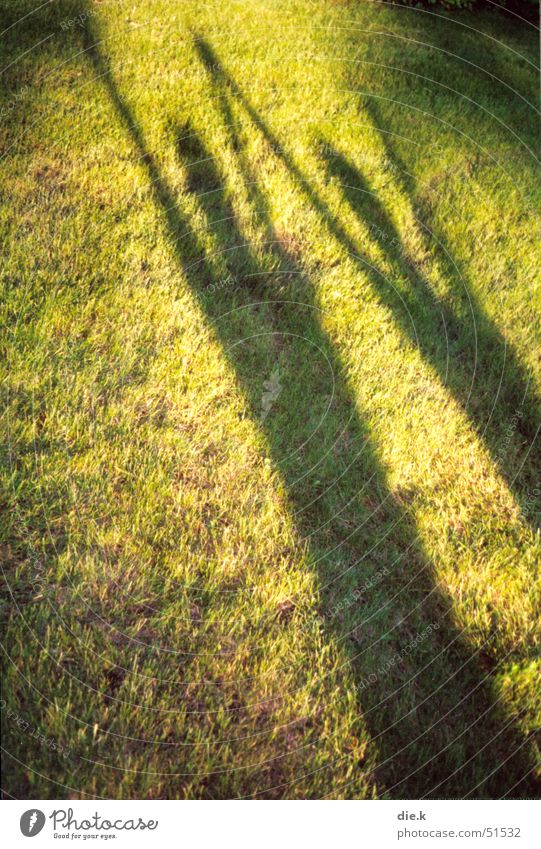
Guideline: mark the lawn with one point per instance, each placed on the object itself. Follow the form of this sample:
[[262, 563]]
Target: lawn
[[271, 326]]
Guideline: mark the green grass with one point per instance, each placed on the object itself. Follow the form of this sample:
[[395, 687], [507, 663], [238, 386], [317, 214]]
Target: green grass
[[271, 306]]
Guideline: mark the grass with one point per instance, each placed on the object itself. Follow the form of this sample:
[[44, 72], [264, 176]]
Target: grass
[[271, 306]]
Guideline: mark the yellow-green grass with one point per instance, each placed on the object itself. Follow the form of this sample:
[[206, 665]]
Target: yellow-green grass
[[271, 319]]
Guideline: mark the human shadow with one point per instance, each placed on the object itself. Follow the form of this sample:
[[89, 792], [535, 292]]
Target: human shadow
[[453, 333], [424, 695], [467, 348]]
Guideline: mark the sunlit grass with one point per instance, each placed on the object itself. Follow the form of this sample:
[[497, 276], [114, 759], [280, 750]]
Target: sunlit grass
[[272, 305]]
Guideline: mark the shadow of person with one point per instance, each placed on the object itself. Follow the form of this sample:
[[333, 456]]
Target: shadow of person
[[453, 333], [424, 696], [456, 336]]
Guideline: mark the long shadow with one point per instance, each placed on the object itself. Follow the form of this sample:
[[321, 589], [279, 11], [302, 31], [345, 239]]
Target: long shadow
[[453, 334], [496, 394], [423, 695]]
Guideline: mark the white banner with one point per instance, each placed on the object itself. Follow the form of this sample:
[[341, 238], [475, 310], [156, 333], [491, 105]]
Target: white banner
[[280, 824]]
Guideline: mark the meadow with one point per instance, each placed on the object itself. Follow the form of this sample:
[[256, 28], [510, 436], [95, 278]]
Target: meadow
[[271, 325]]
